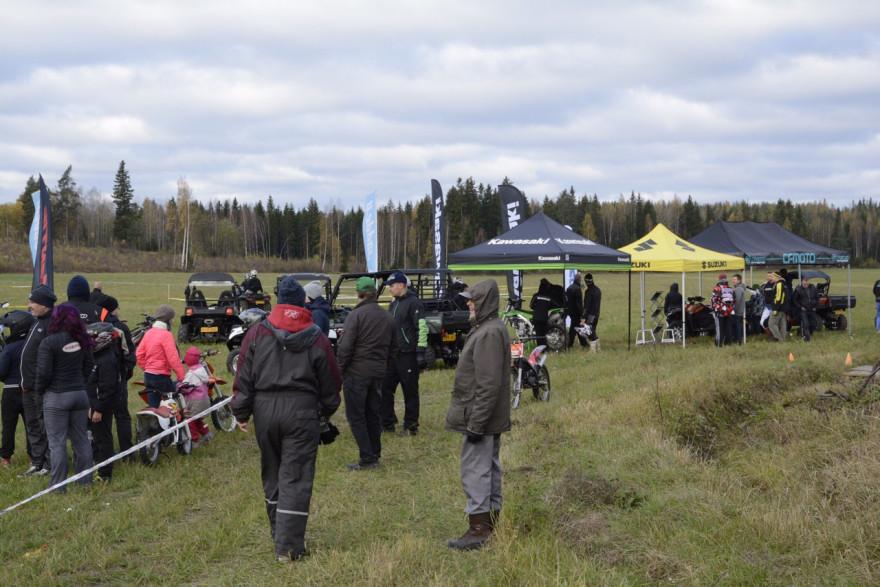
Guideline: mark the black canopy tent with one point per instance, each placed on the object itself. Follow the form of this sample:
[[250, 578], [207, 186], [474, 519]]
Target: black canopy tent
[[540, 243], [767, 243]]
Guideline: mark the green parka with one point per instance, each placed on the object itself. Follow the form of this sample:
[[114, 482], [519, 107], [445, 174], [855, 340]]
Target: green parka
[[481, 392]]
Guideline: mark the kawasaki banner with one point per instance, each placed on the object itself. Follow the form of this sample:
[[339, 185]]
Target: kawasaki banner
[[371, 247], [513, 211], [439, 236], [41, 239]]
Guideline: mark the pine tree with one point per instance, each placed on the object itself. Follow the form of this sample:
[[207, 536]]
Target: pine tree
[[125, 227]]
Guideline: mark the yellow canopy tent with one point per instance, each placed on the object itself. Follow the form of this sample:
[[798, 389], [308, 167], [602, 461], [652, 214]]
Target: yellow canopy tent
[[661, 250]]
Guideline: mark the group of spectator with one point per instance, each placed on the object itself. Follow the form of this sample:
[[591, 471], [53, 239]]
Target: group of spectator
[[582, 301]]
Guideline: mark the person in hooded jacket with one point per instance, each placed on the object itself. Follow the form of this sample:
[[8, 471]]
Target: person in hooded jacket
[[16, 325], [127, 362], [480, 412], [574, 300], [102, 387], [158, 356], [78, 296], [287, 379], [318, 305], [540, 305]]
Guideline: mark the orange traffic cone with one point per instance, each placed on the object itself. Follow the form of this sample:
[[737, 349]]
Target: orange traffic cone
[[848, 360], [791, 356]]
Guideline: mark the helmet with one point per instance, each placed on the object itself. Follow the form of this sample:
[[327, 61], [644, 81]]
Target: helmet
[[103, 334], [16, 324], [584, 330], [252, 316], [253, 272]]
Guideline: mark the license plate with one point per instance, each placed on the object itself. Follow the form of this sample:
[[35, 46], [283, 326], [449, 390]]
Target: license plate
[[448, 337], [210, 329], [260, 302]]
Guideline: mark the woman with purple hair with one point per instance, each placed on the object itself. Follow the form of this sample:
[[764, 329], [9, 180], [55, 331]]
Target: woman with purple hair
[[64, 361]]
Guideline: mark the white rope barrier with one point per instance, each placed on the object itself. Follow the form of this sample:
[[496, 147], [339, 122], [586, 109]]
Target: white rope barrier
[[118, 456]]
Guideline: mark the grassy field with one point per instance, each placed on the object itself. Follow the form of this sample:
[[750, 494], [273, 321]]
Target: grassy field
[[651, 464]]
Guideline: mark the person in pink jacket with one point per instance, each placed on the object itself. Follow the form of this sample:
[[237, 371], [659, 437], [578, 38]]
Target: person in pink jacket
[[158, 356], [194, 388]]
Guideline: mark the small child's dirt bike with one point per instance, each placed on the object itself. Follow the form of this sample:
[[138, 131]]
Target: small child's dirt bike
[[153, 421], [221, 417], [529, 371]]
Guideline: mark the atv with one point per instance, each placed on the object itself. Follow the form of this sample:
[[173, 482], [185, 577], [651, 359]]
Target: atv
[[211, 318]]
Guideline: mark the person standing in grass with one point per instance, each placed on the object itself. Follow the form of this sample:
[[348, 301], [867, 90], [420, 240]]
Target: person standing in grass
[[877, 300], [367, 349], [287, 379], [778, 320], [480, 412], [16, 325], [592, 306], [574, 300], [805, 300]]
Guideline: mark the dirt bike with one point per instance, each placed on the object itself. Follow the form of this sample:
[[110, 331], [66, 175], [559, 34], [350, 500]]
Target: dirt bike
[[700, 321], [521, 321], [151, 422], [248, 318], [221, 417], [528, 371], [140, 329]]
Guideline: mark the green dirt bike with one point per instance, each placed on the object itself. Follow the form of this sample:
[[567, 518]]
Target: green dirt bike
[[521, 322]]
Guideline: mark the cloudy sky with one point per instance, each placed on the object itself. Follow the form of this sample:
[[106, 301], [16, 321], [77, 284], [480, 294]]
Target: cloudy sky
[[332, 100]]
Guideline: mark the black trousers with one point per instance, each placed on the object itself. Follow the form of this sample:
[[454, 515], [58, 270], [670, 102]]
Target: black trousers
[[11, 406], [363, 406], [406, 373], [287, 431], [540, 331], [102, 443], [36, 428], [123, 418]]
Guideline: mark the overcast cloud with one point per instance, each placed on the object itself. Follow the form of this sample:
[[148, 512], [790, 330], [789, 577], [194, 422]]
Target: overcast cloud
[[717, 99]]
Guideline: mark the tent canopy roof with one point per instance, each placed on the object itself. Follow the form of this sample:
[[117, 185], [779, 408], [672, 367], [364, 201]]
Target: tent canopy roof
[[663, 251], [763, 243], [539, 243]]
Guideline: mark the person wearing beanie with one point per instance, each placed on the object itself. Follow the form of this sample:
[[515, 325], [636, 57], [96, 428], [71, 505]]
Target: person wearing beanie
[[574, 301], [158, 356], [366, 350], [412, 341], [723, 311], [40, 304], [287, 380], [194, 388], [592, 306], [778, 320], [128, 360], [318, 305], [78, 296]]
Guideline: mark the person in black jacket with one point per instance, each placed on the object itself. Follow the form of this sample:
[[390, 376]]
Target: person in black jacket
[[287, 379], [805, 300], [78, 296], [103, 390], [366, 350], [64, 362], [40, 304], [412, 340], [540, 305], [592, 305], [574, 300], [16, 325], [127, 362]]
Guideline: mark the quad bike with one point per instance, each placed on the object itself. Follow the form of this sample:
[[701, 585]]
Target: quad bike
[[700, 320], [156, 421], [528, 371], [248, 299], [221, 417]]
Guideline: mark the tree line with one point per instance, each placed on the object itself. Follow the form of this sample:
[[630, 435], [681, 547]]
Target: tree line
[[331, 239]]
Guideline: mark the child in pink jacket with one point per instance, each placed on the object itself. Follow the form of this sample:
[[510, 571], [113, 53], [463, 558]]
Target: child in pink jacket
[[194, 388]]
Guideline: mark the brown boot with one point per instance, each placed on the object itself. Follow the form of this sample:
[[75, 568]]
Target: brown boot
[[480, 530]]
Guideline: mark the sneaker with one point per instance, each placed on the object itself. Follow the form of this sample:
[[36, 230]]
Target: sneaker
[[33, 470], [390, 429], [408, 432], [207, 437], [284, 558], [363, 466], [5, 462], [42, 472]]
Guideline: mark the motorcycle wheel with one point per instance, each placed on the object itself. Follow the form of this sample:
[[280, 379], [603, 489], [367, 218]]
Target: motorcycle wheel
[[185, 444], [183, 333], [222, 417], [515, 388], [232, 361], [556, 339], [543, 389], [149, 454]]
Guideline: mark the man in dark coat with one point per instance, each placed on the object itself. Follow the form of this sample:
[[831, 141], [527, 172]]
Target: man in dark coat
[[574, 301], [366, 350], [480, 412], [287, 379], [541, 304], [78, 295], [592, 305], [805, 300]]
